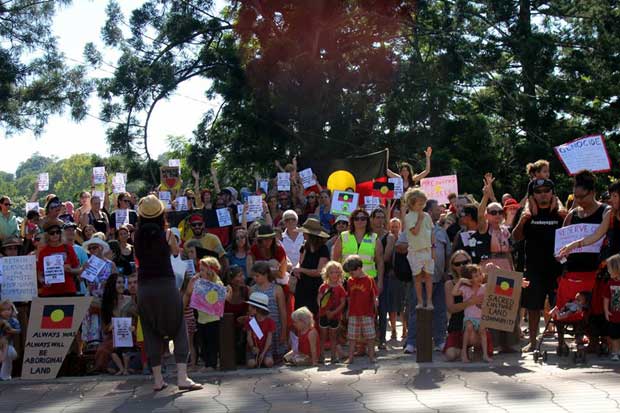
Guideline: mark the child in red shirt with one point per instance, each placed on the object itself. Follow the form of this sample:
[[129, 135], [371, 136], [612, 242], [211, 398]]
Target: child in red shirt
[[332, 299], [307, 351], [362, 307], [611, 303], [260, 328]]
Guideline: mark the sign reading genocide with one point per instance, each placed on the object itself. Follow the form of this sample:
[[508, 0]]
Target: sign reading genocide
[[588, 152], [51, 329], [502, 300], [19, 283]]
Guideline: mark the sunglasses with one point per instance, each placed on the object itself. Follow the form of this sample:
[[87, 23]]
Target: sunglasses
[[191, 198], [342, 222], [93, 247], [197, 225], [360, 218], [37, 239], [460, 263], [7, 204], [495, 212], [57, 232]]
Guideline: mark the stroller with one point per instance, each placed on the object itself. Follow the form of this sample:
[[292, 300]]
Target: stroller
[[573, 324]]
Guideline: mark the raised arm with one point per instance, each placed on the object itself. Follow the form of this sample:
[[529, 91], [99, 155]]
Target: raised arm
[[428, 152], [216, 183]]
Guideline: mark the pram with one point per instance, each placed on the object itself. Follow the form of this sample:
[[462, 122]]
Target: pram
[[573, 324]]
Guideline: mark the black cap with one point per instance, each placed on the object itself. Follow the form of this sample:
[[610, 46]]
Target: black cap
[[539, 183], [68, 225]]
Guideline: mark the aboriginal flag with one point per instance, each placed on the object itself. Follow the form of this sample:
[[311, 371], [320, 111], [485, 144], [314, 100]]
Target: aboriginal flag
[[57, 317], [384, 190], [504, 286], [364, 170]]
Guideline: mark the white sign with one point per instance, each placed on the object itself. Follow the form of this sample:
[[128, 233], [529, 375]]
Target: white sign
[[181, 203], [566, 235], [121, 328], [19, 283], [119, 183], [255, 207], [344, 203], [256, 328], [100, 195], [223, 217], [371, 203], [284, 181], [53, 269], [99, 175], [95, 265], [175, 162], [191, 268], [121, 217], [398, 187], [44, 182], [588, 152], [264, 185], [439, 187], [164, 196], [32, 206], [307, 178]]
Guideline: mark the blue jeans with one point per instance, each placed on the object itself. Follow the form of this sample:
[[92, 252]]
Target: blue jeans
[[440, 317]]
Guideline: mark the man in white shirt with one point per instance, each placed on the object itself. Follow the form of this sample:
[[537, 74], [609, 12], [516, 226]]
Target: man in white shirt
[[292, 239]]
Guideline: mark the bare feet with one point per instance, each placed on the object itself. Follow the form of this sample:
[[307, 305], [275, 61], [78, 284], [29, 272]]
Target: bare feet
[[487, 358], [464, 358]]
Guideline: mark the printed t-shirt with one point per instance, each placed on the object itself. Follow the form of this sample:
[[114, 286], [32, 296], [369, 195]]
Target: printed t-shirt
[[331, 298], [612, 292], [362, 293]]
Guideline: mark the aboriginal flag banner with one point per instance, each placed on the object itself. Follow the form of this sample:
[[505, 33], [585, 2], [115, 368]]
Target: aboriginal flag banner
[[356, 174]]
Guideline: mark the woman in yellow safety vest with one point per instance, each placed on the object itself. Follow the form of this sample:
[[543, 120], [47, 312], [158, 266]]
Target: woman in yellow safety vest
[[360, 240]]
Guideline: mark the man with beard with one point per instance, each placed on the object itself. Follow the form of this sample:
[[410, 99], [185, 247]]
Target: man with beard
[[209, 242], [536, 227]]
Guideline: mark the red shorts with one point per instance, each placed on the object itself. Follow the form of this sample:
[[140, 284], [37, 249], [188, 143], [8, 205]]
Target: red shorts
[[455, 339]]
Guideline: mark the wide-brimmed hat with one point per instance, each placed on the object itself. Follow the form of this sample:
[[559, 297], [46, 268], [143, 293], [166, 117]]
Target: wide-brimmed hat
[[259, 300], [51, 223], [98, 241], [150, 207], [312, 226], [12, 241], [265, 231]]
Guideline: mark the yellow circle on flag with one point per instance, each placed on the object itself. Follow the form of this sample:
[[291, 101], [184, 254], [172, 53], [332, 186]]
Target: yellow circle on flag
[[211, 297], [57, 315], [504, 285], [384, 190]]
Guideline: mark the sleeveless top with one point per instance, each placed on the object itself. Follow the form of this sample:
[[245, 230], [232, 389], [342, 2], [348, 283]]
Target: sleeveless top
[[304, 342], [456, 319], [585, 262], [100, 224], [153, 255]]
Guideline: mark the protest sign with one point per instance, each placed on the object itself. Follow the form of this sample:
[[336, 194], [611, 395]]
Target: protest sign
[[343, 203], [371, 203], [398, 187], [502, 300], [256, 328], [284, 181], [119, 183], [208, 297], [99, 175], [95, 265], [264, 185], [121, 332], [588, 152], [164, 196], [307, 178], [52, 327], [175, 162], [181, 203], [191, 268], [43, 182], [566, 235], [170, 178], [255, 207], [100, 195], [439, 187], [121, 217], [223, 217], [32, 206], [19, 278], [53, 269]]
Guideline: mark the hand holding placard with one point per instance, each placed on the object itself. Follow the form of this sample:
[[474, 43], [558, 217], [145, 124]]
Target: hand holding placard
[[53, 269]]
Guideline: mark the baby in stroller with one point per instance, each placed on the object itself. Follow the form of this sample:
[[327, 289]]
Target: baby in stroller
[[580, 303]]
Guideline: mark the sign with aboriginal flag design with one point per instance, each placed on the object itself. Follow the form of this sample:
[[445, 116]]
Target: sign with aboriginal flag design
[[344, 203], [502, 300], [52, 328]]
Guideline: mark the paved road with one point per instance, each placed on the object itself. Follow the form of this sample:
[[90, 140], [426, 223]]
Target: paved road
[[512, 383]]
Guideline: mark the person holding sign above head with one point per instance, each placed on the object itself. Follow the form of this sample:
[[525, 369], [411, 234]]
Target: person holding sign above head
[[123, 214], [96, 216], [57, 278], [159, 302]]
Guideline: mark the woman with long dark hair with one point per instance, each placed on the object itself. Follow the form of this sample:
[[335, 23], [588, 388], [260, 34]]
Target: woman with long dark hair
[[159, 302]]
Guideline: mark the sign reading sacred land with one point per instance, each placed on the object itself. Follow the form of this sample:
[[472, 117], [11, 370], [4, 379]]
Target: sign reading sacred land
[[502, 300]]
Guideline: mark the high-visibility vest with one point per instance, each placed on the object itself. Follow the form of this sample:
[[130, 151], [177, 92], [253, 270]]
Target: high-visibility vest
[[366, 250]]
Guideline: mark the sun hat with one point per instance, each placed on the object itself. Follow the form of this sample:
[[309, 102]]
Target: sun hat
[[259, 300], [265, 231], [51, 223], [150, 207], [98, 241], [12, 241], [312, 226], [289, 214]]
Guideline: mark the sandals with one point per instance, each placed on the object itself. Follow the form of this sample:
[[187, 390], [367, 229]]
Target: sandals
[[158, 389], [191, 387]]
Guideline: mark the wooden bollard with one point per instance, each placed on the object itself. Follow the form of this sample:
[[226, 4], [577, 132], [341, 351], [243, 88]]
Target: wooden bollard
[[228, 358], [424, 336]]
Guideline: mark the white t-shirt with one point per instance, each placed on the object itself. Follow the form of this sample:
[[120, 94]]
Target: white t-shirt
[[292, 247]]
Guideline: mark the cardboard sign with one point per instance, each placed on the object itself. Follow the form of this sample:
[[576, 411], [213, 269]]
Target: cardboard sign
[[121, 332], [95, 265], [502, 300], [208, 297], [439, 187], [223, 217], [32, 206], [371, 203], [568, 234], [170, 178], [53, 269], [284, 181], [255, 207], [307, 179], [344, 203], [99, 175], [19, 278], [52, 327], [398, 187], [588, 152], [165, 196], [44, 182], [181, 203]]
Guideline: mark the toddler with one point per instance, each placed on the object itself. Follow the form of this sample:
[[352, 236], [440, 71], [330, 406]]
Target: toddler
[[611, 303], [9, 326], [308, 347], [260, 328], [331, 299]]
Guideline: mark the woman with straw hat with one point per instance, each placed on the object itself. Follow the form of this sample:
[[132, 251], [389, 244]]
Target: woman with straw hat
[[159, 302], [314, 256]]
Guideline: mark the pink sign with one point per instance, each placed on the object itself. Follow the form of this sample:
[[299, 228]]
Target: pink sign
[[439, 187]]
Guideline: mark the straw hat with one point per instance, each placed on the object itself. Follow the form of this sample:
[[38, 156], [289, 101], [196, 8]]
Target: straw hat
[[265, 231], [51, 223], [312, 226], [150, 207], [12, 241], [259, 300]]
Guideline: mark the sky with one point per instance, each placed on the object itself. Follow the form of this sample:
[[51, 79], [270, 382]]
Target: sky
[[74, 26]]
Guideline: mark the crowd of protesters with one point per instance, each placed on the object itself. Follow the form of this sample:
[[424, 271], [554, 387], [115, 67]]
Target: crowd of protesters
[[313, 282]]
